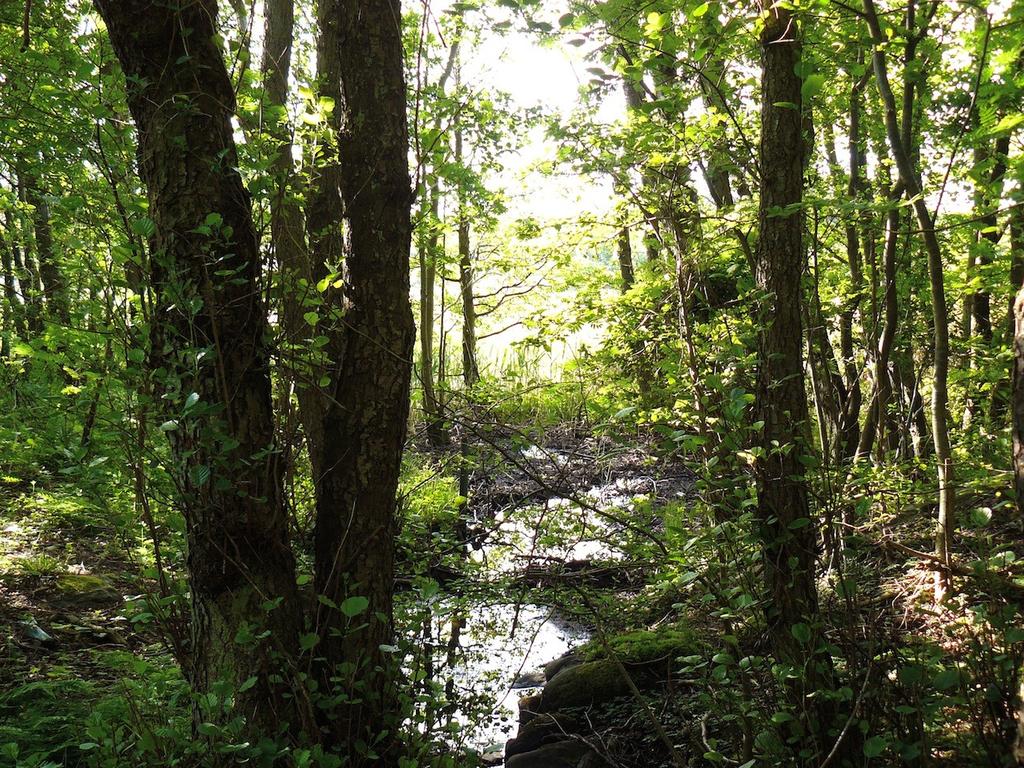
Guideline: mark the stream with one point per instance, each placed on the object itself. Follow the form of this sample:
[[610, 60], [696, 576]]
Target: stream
[[503, 641]]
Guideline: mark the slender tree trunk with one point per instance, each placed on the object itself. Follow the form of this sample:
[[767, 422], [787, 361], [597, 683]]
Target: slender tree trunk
[[54, 290], [1017, 377], [17, 309], [287, 226], [370, 348], [634, 102], [788, 532], [625, 252], [470, 364], [28, 286], [878, 424], [940, 396], [978, 304], [429, 255], [428, 252], [850, 427], [245, 611]]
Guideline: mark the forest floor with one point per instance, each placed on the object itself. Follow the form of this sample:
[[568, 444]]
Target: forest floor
[[72, 653], [79, 654]]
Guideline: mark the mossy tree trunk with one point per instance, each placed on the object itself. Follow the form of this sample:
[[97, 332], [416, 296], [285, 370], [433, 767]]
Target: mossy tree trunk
[[209, 362], [371, 337]]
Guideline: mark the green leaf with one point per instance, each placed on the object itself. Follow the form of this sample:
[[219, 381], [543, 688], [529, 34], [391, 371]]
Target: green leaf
[[354, 606], [801, 632], [946, 679], [249, 683], [307, 641], [875, 746], [700, 10], [143, 227], [812, 86], [311, 318]]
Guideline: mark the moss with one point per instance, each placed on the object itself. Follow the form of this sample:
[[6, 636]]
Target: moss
[[642, 647], [87, 589], [592, 682]]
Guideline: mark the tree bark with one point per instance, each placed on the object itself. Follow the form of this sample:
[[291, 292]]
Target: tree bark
[[205, 271], [1017, 377], [627, 275], [788, 532], [470, 364], [370, 350]]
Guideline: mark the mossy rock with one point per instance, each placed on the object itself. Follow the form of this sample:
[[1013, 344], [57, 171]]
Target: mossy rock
[[555, 666], [643, 648], [87, 589], [586, 684]]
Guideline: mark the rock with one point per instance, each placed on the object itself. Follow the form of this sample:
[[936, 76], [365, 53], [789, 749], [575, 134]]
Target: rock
[[494, 757], [87, 589], [528, 708], [560, 754], [583, 685], [569, 659], [645, 648], [533, 679], [592, 760], [541, 730]]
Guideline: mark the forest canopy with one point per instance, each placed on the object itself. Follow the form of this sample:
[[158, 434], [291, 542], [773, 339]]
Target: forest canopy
[[557, 385]]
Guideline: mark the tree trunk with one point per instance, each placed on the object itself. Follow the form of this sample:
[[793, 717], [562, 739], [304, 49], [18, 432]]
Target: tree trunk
[[287, 226], [940, 395], [470, 364], [787, 530], [370, 349], [205, 271], [1017, 378], [54, 290], [625, 252], [428, 252], [634, 102], [16, 308]]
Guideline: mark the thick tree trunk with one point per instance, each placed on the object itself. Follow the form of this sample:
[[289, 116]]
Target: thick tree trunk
[[370, 348], [205, 271], [940, 396], [787, 530]]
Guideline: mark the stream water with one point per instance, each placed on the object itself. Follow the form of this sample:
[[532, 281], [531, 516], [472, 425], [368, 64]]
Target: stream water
[[503, 640], [504, 643]]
